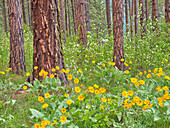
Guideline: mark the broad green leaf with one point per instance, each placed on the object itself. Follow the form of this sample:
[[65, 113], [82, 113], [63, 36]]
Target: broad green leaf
[[36, 113]]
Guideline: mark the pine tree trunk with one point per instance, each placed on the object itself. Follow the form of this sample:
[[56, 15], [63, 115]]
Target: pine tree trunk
[[69, 24], [87, 16], [146, 10], [17, 52], [5, 19], [47, 44], [142, 16], [118, 34], [74, 17], [23, 11], [80, 22], [154, 10], [29, 18], [113, 14], [126, 13], [131, 17], [62, 19], [136, 15], [108, 16], [65, 4], [167, 11]]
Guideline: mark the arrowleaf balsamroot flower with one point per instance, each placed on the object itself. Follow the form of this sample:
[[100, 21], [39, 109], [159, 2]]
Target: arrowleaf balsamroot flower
[[63, 119], [80, 97], [63, 110], [125, 94], [133, 80], [76, 80], [44, 105], [77, 89], [41, 99], [47, 95], [70, 77], [24, 87], [68, 102]]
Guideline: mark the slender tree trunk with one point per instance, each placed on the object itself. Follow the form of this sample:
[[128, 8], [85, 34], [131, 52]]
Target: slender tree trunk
[[131, 17], [5, 19], [154, 12], [62, 19], [47, 44], [29, 18], [142, 16], [23, 11], [118, 34], [74, 17], [66, 24], [126, 13], [113, 14], [17, 52], [167, 11], [146, 10], [136, 15], [108, 16], [80, 22], [87, 16], [69, 24]]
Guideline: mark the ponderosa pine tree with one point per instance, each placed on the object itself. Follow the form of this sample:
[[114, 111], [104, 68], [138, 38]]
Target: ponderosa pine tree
[[108, 16], [62, 19], [154, 10], [87, 15], [23, 11], [74, 15], [142, 16], [69, 24], [131, 16], [136, 14], [146, 10], [167, 11], [118, 34], [66, 24], [48, 52], [5, 19], [126, 14], [17, 51], [80, 18]]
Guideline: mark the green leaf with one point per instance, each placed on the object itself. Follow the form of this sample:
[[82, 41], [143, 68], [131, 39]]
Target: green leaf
[[13, 102], [156, 118], [119, 116], [36, 113]]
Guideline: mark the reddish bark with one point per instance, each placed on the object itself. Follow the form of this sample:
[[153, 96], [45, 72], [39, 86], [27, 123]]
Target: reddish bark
[[81, 21], [118, 34], [74, 17], [69, 24], [126, 13], [146, 10], [167, 11], [87, 16], [131, 16], [23, 11], [65, 4], [136, 15], [108, 16], [47, 44], [142, 16], [17, 52]]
